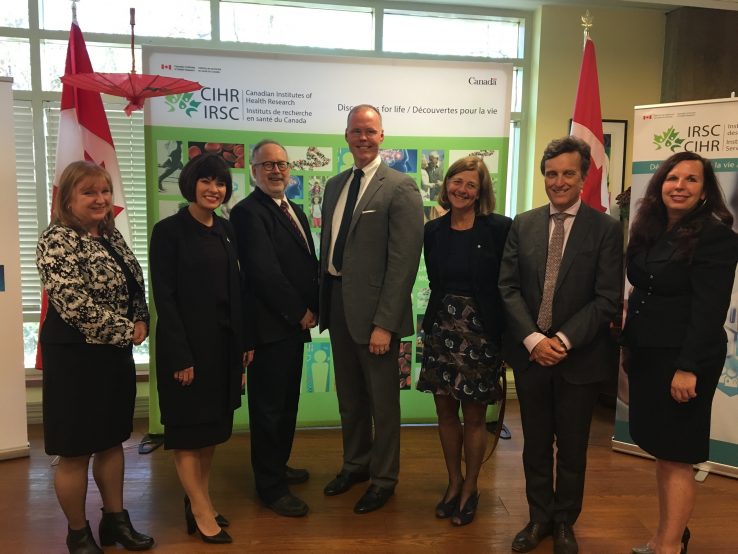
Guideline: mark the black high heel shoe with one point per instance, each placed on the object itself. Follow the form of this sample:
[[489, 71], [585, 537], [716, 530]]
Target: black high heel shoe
[[219, 538], [116, 527], [445, 510], [220, 519], [464, 515]]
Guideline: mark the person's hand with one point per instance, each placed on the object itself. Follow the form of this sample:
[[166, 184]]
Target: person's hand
[[185, 376], [379, 341], [308, 320], [140, 332], [248, 357], [547, 352], [683, 386]]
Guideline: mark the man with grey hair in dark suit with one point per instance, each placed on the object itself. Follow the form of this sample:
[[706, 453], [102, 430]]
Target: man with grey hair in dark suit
[[371, 240], [560, 282]]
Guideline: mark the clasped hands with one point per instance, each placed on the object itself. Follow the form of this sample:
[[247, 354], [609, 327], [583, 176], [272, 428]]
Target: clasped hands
[[549, 351], [308, 321]]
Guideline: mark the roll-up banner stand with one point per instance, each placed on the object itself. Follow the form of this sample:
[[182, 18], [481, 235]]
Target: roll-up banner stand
[[431, 110], [13, 429]]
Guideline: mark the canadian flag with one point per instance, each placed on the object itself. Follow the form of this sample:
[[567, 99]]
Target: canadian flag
[[84, 134], [587, 125]]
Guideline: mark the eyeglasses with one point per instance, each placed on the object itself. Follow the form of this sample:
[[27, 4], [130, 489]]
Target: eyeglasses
[[269, 166]]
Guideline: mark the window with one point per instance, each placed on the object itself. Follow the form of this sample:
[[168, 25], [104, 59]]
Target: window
[[452, 36], [128, 137], [297, 26], [15, 61], [154, 18]]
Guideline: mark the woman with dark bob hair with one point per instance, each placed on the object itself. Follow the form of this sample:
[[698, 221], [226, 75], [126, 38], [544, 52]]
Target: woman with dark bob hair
[[96, 313], [200, 334], [463, 326], [681, 261]]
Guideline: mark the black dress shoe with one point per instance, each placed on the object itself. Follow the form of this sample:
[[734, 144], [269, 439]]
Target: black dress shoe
[[343, 482], [564, 540], [374, 498], [81, 541], [464, 515], [115, 527], [295, 476], [289, 505], [529, 537]]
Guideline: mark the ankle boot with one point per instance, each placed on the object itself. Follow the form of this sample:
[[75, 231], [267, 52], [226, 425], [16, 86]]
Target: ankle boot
[[81, 541], [116, 527]]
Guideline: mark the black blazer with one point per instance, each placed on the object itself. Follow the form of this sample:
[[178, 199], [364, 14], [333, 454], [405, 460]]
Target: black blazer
[[280, 273], [490, 232], [678, 304], [187, 330]]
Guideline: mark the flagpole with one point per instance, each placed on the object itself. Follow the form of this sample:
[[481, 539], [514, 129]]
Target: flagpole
[[587, 23]]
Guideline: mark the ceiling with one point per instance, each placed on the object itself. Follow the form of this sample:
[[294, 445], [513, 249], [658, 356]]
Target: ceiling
[[663, 5]]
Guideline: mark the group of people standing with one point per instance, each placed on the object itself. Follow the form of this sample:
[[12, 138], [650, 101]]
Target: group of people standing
[[236, 300]]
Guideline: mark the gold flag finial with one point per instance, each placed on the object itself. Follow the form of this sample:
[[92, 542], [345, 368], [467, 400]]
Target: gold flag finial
[[587, 22]]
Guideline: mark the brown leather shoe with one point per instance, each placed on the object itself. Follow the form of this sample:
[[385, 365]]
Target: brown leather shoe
[[530, 536], [374, 498], [343, 482]]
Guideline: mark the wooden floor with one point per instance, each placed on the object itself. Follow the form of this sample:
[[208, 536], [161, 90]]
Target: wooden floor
[[619, 505]]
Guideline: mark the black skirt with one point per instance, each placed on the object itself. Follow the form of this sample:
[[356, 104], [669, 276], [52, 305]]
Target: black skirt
[[89, 391], [458, 359], [667, 429]]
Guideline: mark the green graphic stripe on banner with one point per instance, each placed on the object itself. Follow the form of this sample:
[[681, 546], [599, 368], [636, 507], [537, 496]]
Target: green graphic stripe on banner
[[719, 164], [723, 452]]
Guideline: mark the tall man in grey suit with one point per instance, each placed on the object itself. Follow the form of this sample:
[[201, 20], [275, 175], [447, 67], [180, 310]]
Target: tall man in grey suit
[[560, 282], [370, 248], [280, 273]]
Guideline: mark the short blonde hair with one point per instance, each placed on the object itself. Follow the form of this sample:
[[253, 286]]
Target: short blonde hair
[[72, 175], [485, 204]]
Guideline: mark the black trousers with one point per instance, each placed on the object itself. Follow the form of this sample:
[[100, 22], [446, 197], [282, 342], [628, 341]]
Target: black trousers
[[273, 380], [553, 410]]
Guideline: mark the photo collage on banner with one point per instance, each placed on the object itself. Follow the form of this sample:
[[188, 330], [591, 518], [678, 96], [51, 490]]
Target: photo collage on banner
[[423, 135], [710, 129]]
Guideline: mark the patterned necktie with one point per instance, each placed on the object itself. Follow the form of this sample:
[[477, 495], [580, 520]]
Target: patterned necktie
[[286, 210], [553, 262], [348, 213]]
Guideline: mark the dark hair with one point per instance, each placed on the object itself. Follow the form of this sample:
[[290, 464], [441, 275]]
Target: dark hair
[[361, 107], [259, 145], [651, 219], [485, 204], [72, 175], [565, 145], [202, 167]]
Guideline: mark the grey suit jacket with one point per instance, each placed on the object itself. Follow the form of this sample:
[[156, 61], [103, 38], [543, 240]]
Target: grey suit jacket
[[587, 294], [381, 256]]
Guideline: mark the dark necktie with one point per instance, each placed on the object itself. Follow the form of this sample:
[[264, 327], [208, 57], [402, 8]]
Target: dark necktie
[[553, 262], [285, 209], [348, 213]]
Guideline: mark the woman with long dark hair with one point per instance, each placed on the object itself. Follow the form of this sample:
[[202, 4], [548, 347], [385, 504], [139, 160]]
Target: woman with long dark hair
[[681, 261]]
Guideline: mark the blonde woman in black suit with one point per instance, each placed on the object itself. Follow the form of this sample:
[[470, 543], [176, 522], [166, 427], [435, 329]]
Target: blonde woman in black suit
[[681, 261], [96, 312]]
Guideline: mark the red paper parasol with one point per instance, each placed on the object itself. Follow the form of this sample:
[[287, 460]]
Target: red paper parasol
[[134, 87]]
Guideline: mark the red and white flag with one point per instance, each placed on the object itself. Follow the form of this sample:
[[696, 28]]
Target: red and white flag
[[587, 125], [84, 134]]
